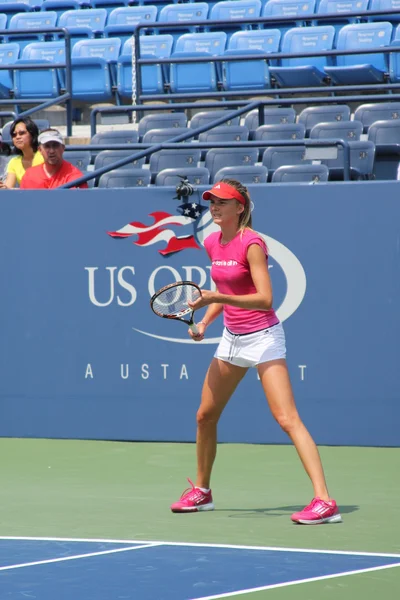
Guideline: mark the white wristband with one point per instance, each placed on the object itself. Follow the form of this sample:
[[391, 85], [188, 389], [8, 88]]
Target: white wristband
[[202, 323]]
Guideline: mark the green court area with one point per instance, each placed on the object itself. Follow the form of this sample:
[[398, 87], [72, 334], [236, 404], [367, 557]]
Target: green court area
[[122, 491]]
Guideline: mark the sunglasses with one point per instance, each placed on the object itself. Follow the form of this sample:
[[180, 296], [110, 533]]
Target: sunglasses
[[13, 135]]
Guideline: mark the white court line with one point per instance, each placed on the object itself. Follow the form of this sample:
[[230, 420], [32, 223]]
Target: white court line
[[201, 545], [296, 582], [65, 558]]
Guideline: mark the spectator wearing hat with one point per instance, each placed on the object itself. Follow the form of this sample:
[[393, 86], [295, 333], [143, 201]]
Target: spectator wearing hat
[[55, 171]]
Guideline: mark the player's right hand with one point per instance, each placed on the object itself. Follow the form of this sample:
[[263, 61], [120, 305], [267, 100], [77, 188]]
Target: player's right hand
[[198, 337]]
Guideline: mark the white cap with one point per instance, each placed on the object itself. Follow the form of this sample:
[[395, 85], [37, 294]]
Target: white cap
[[51, 136]]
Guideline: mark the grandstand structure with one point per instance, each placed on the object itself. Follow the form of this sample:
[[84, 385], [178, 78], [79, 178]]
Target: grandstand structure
[[270, 90]]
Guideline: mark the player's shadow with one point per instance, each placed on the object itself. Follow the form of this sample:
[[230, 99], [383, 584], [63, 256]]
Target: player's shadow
[[276, 511]]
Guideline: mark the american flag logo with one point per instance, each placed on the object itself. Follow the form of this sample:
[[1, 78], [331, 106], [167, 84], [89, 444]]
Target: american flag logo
[[162, 229]]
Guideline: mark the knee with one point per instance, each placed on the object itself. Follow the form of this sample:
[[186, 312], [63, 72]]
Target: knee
[[206, 417], [289, 422]]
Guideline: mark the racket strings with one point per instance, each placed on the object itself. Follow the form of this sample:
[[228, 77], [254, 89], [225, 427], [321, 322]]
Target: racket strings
[[175, 300]]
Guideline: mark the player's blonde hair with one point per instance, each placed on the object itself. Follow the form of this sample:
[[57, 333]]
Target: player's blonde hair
[[245, 220]]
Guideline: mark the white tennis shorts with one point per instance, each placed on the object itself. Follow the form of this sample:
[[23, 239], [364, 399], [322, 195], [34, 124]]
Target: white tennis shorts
[[252, 349]]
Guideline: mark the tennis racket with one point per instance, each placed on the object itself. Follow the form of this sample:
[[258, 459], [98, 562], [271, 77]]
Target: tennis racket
[[171, 302]]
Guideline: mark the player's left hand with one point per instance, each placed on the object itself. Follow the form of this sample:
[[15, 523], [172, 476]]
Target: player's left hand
[[207, 297]]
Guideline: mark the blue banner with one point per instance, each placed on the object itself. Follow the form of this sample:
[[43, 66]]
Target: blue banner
[[83, 355]]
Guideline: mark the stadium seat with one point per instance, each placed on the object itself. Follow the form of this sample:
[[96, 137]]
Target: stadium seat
[[355, 69], [182, 13], [79, 158], [345, 130], [306, 71], [301, 173], [312, 115], [386, 136], [123, 178], [394, 61], [272, 116], [108, 157], [246, 174], [161, 121], [158, 136], [289, 8], [5, 133], [46, 82], [33, 22], [188, 156], [115, 137], [250, 74], [384, 5], [60, 6], [232, 10], [197, 77], [283, 131], [109, 5], [83, 24], [225, 133], [9, 9], [381, 111], [362, 157], [217, 158], [8, 56], [195, 176], [94, 69], [278, 156], [154, 77], [205, 117], [122, 21], [339, 9]]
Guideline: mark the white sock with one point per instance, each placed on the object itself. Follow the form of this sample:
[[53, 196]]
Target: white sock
[[204, 490]]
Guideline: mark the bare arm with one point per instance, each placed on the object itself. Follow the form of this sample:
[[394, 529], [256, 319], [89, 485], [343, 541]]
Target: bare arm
[[9, 182], [261, 300]]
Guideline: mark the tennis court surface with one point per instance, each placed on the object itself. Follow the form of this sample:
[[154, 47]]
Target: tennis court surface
[[84, 520]]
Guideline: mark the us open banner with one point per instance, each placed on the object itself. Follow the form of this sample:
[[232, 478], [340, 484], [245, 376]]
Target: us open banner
[[83, 356]]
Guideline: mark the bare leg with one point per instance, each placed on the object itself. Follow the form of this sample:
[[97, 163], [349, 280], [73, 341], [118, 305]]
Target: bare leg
[[221, 381], [277, 387]]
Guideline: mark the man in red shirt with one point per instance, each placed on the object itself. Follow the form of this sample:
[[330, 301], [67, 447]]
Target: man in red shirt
[[55, 171]]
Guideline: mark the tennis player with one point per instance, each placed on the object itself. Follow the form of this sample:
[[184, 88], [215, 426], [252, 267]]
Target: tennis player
[[252, 337]]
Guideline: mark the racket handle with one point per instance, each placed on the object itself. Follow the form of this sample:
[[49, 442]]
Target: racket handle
[[194, 328]]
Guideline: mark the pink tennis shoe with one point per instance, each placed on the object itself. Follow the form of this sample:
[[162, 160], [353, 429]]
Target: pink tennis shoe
[[318, 511], [193, 500]]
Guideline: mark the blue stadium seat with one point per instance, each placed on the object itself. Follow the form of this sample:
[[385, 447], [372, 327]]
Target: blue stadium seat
[[339, 9], [301, 173], [11, 8], [188, 156], [283, 131], [246, 174], [122, 21], [386, 136], [279, 156], [217, 158], [289, 8], [154, 77], [5, 134], [224, 133], [123, 178], [380, 111], [213, 42], [33, 22], [394, 61], [205, 117], [312, 115], [232, 10], [108, 157], [46, 82], [195, 176], [161, 121], [9, 54], [109, 5], [272, 116], [306, 71], [384, 5], [192, 44], [361, 68], [83, 24], [94, 69], [362, 157], [250, 74], [193, 77], [157, 136], [3, 20], [79, 158], [115, 137], [182, 13], [60, 6], [345, 130]]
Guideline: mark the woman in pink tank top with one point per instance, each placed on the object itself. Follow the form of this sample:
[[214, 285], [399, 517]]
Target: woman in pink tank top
[[252, 337]]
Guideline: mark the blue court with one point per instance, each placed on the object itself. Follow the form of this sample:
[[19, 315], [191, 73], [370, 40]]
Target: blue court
[[46, 569]]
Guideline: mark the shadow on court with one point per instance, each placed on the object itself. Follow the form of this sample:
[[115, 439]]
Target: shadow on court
[[277, 511]]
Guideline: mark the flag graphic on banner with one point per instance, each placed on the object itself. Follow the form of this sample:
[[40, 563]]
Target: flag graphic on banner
[[162, 229]]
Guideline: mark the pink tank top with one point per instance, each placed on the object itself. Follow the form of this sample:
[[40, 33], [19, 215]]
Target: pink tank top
[[230, 272]]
